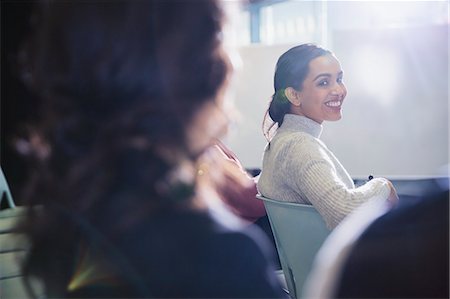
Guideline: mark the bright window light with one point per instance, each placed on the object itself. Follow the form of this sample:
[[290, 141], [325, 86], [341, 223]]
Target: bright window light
[[377, 70]]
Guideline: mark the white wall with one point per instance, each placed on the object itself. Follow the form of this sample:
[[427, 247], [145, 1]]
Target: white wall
[[253, 90], [395, 128]]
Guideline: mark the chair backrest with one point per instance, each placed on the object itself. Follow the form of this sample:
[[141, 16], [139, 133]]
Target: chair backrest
[[299, 232], [13, 250], [4, 191]]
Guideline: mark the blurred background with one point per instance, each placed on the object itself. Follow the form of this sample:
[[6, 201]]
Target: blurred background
[[395, 58]]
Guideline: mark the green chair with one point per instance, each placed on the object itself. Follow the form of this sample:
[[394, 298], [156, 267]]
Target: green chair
[[13, 249], [4, 191], [299, 232]]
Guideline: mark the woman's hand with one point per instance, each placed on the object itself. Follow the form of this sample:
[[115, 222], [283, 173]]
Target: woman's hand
[[234, 186], [393, 197]]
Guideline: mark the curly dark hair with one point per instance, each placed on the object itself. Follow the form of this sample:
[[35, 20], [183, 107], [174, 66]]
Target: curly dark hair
[[120, 82]]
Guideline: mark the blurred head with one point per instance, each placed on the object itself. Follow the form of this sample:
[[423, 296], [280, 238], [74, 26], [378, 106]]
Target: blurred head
[[308, 81], [147, 66], [126, 79], [131, 96]]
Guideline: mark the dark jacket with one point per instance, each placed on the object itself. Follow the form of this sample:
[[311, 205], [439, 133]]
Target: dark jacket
[[184, 255]]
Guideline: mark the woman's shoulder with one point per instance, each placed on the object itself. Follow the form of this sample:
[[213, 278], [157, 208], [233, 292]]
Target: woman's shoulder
[[295, 138], [194, 231], [188, 254], [200, 231], [214, 255], [247, 246], [250, 238], [295, 143]]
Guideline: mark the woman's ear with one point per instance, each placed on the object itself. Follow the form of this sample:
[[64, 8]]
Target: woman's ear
[[293, 96]]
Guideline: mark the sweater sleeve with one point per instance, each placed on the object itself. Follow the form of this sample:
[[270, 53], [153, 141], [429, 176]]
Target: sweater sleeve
[[313, 175]]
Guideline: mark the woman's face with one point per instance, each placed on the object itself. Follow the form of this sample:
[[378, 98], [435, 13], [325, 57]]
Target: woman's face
[[323, 90]]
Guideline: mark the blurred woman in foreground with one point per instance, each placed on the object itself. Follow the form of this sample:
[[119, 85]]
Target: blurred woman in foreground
[[132, 96]]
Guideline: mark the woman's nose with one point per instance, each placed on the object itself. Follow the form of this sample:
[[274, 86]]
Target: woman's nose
[[338, 89]]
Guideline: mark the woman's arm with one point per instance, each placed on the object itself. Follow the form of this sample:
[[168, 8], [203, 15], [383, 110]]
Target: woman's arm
[[235, 187], [313, 174]]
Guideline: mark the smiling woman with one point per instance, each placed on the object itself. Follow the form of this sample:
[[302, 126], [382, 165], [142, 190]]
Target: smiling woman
[[297, 165], [322, 93]]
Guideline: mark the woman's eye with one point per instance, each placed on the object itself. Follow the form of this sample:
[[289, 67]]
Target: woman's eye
[[340, 80], [323, 83]]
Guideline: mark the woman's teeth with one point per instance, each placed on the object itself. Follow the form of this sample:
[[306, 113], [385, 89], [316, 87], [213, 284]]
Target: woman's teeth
[[333, 103]]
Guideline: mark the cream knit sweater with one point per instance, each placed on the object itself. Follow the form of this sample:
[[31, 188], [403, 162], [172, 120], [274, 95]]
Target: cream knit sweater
[[298, 167]]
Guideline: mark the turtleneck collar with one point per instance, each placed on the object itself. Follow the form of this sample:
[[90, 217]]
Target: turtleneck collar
[[293, 122]]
